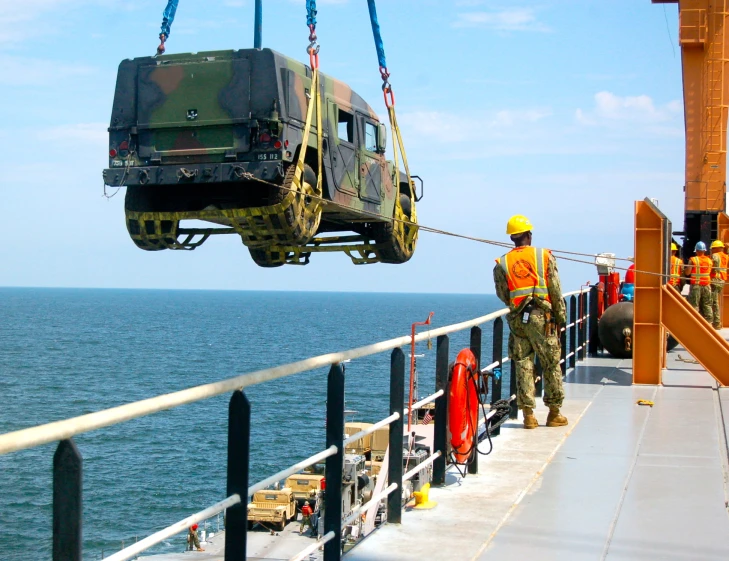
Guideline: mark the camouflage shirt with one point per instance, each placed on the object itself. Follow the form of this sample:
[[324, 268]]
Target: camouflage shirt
[[554, 289], [717, 268]]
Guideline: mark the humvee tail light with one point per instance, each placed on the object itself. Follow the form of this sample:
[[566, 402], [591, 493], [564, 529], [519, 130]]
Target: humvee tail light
[[124, 146], [112, 153], [277, 144], [265, 137]]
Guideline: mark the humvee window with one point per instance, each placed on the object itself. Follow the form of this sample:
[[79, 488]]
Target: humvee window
[[346, 126], [370, 137]]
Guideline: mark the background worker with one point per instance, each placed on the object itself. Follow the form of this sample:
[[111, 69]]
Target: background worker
[[676, 268], [718, 277], [699, 272], [527, 281], [306, 513], [192, 539]]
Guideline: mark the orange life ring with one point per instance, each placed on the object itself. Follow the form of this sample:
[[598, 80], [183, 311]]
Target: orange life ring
[[463, 406]]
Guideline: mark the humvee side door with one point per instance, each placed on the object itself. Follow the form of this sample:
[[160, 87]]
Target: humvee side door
[[371, 163], [343, 151]]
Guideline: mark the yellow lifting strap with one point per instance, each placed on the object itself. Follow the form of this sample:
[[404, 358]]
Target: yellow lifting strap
[[314, 101]]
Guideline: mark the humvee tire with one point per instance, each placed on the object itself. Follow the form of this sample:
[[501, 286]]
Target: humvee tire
[[391, 250], [139, 199], [263, 258], [277, 195], [282, 524]]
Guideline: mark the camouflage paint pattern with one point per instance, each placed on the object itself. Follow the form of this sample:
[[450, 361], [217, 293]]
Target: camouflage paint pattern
[[198, 119], [700, 298]]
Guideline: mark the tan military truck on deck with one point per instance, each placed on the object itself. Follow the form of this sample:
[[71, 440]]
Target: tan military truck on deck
[[306, 487], [272, 508]]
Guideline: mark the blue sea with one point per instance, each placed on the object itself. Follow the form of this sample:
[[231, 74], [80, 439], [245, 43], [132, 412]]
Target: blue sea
[[67, 352]]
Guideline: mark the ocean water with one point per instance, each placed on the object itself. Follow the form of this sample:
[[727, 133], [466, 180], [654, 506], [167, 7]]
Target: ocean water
[[67, 352]]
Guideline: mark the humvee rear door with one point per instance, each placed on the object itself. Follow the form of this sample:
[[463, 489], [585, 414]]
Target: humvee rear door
[[192, 107], [343, 152], [371, 163]]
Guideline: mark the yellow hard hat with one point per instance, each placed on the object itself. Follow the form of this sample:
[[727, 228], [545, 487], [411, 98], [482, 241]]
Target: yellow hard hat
[[674, 247], [518, 224], [717, 243]]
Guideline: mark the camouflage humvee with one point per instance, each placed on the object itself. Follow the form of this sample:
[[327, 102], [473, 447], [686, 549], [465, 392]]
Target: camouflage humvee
[[215, 136]]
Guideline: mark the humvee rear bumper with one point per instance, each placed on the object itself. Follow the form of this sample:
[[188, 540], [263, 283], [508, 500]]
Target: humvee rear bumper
[[193, 173]]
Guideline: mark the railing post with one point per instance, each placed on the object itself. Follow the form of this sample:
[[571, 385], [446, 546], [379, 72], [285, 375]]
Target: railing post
[[335, 463], [239, 440], [563, 351], [440, 431], [497, 355], [482, 386], [581, 331], [539, 376], [513, 406], [592, 324], [573, 330], [394, 461], [67, 502]]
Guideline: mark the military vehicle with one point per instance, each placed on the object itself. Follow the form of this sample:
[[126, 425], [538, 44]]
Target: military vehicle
[[306, 487], [272, 507], [215, 137]]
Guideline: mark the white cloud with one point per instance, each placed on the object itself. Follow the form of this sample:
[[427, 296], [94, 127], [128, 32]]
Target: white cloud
[[457, 127], [511, 19], [81, 132], [614, 109], [22, 71]]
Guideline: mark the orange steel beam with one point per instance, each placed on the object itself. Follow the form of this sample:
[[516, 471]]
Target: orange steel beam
[[649, 342], [658, 307], [695, 334], [703, 34]]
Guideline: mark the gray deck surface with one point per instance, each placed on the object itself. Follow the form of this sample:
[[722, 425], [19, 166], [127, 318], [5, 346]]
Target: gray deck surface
[[621, 482]]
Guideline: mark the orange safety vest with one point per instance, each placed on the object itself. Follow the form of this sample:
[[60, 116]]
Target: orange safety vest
[[721, 273], [701, 271], [676, 265], [526, 273]]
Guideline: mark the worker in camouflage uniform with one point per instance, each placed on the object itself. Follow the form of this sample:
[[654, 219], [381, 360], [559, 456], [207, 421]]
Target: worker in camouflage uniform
[[193, 541], [719, 263], [699, 272], [527, 281]]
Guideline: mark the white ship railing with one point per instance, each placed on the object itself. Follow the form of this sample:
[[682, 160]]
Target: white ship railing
[[575, 337]]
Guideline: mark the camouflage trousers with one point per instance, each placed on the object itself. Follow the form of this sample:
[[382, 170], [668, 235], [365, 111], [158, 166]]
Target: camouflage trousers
[[717, 290], [524, 342], [192, 540], [700, 299]]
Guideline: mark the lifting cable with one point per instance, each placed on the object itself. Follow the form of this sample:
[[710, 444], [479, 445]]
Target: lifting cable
[[168, 16], [398, 146]]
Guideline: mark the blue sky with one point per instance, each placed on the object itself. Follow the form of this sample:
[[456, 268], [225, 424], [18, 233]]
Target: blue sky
[[566, 111]]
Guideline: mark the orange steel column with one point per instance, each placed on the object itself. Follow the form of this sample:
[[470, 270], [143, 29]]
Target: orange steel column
[[704, 40], [649, 340]]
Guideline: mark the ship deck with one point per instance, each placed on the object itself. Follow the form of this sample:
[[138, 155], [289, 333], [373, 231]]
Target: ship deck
[[621, 481]]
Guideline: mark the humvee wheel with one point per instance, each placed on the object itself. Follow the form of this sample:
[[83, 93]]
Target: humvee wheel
[[266, 259], [139, 199], [282, 524], [392, 245], [303, 229]]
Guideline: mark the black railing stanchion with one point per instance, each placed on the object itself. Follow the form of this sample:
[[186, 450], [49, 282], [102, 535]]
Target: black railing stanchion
[[497, 355], [239, 443], [563, 351], [513, 406], [573, 330], [482, 386], [440, 431], [67, 502], [394, 460], [335, 463], [581, 330], [538, 378], [594, 339]]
